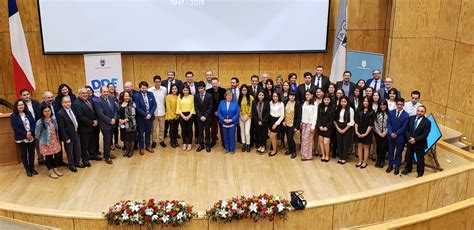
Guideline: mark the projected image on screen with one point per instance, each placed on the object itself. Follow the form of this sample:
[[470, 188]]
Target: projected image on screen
[[183, 25], [435, 133]]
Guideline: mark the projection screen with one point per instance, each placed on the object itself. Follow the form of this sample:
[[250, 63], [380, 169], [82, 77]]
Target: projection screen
[[85, 26]]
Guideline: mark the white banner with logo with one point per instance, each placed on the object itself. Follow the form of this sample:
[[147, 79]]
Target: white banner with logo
[[102, 69]]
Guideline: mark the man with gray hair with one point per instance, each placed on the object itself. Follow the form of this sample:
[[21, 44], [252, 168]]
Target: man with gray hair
[[68, 132], [383, 92], [87, 126]]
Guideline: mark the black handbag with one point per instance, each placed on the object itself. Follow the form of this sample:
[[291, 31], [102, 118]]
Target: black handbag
[[297, 200]]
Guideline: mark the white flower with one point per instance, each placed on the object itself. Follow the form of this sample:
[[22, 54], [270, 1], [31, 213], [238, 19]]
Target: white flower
[[124, 216], [240, 211], [169, 207], [234, 206], [165, 218], [180, 215], [182, 203], [264, 202], [269, 211], [253, 207], [276, 198], [154, 217], [281, 207], [134, 207], [135, 217], [149, 211], [223, 213], [118, 207], [224, 203]]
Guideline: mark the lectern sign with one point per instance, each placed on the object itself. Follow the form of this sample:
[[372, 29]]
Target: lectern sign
[[102, 69]]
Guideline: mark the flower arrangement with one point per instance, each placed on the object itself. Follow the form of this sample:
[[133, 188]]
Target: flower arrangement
[[150, 213], [264, 206]]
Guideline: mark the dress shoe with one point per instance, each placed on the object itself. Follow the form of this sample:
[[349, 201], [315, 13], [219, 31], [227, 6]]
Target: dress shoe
[[87, 164], [287, 153], [73, 169], [163, 145], [62, 163], [389, 169], [112, 147], [130, 154], [200, 148], [41, 162], [96, 158], [396, 172], [108, 161], [208, 149], [176, 143], [377, 164], [248, 148], [142, 152], [150, 150], [153, 144], [272, 154], [293, 155], [28, 173], [52, 174], [244, 148], [363, 166], [419, 175], [34, 172], [172, 145], [406, 171], [112, 156], [117, 146]]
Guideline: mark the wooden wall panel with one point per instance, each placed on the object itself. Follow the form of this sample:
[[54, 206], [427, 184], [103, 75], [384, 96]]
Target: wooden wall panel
[[359, 212], [63, 223], [241, 65], [367, 40], [280, 64], [6, 64], [83, 224], [448, 19], [447, 191], [242, 224], [461, 95], [438, 111], [320, 218], [68, 69], [466, 23], [145, 67], [198, 64], [6, 214], [416, 18], [443, 51], [456, 220], [29, 15], [461, 122], [4, 17], [366, 14], [470, 187], [194, 224], [407, 202], [309, 61], [128, 72]]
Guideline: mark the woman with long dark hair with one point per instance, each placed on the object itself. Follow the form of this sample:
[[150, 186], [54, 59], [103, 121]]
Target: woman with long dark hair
[[245, 103], [185, 109], [270, 88], [23, 125], [261, 112], [277, 114], [380, 130], [325, 126], [127, 122], [356, 98], [344, 122], [308, 125], [114, 142], [292, 122], [171, 117], [364, 122], [63, 90]]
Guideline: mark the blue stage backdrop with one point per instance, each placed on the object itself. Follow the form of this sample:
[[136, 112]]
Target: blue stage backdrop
[[361, 64]]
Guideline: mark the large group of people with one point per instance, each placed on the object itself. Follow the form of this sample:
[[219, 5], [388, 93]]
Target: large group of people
[[334, 119]]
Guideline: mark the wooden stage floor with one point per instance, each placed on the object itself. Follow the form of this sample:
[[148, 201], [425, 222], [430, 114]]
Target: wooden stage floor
[[198, 178]]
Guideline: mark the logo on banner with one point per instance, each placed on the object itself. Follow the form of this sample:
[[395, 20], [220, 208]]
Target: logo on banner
[[363, 65], [102, 62], [97, 83]]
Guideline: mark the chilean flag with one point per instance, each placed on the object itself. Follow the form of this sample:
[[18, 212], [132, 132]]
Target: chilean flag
[[22, 71]]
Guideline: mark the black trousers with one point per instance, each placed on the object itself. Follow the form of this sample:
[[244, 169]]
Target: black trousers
[[114, 139], [203, 132], [73, 150], [88, 146], [261, 136], [173, 126], [252, 134], [420, 157], [187, 129], [106, 142], [344, 142], [334, 143], [27, 154], [382, 148], [216, 128], [96, 140], [290, 133], [52, 161]]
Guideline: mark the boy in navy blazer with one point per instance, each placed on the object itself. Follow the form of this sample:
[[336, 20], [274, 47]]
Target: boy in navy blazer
[[146, 106], [397, 126], [419, 128]]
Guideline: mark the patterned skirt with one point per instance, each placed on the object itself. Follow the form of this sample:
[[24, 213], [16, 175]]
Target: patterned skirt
[[307, 139]]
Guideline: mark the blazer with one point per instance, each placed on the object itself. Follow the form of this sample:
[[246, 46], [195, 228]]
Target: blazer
[[141, 106], [297, 116], [85, 116], [232, 113], [18, 127], [254, 93], [420, 133], [65, 124], [369, 81], [203, 108], [324, 82], [325, 118], [105, 113], [58, 102], [36, 108], [351, 86], [177, 82], [265, 113], [384, 95], [300, 92], [397, 125], [217, 97]]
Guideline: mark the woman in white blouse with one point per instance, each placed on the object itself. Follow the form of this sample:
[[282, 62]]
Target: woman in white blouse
[[308, 124], [277, 114], [392, 99], [344, 122]]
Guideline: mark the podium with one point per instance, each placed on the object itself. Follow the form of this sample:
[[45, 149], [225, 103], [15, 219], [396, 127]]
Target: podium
[[9, 153]]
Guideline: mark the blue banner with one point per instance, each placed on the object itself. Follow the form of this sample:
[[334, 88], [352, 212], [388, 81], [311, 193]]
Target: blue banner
[[361, 64]]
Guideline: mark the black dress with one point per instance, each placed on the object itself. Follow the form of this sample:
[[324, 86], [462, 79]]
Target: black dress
[[364, 120], [129, 130], [325, 119]]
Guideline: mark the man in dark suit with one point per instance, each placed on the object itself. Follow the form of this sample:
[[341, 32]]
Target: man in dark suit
[[167, 84], [217, 94], [33, 106], [397, 123], [68, 131], [319, 80], [346, 84], [127, 87], [254, 87], [146, 106], [302, 88], [87, 126], [263, 82], [388, 84], [92, 98], [375, 82], [108, 116], [419, 128], [203, 108]]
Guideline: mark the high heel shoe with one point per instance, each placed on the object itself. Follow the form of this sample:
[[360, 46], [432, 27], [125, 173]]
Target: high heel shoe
[[272, 154]]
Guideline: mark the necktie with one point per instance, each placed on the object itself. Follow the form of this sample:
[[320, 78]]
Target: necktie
[[235, 95], [254, 91], [89, 104], [398, 114], [145, 99], [169, 87], [108, 102], [415, 125], [317, 84], [73, 119], [202, 97], [375, 85]]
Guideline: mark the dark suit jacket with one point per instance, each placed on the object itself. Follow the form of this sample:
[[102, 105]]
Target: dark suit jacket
[[203, 108], [325, 118], [65, 124], [217, 97], [420, 133], [324, 82], [265, 113], [58, 102], [384, 95], [351, 86], [176, 82], [369, 81], [141, 107], [397, 125], [301, 91], [254, 93], [19, 128], [105, 113], [36, 108], [85, 115]]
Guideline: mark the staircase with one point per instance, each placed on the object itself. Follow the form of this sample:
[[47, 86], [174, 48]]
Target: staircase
[[454, 138]]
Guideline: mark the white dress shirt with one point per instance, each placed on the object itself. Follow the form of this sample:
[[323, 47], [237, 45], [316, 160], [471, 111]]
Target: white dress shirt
[[160, 96], [277, 110], [309, 114], [351, 116], [411, 108]]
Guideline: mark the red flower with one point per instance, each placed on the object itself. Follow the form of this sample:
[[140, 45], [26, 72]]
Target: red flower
[[173, 213], [147, 219], [129, 212]]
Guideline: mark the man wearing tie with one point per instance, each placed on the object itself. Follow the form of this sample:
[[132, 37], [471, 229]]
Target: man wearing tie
[[87, 126], [319, 80], [302, 88], [254, 87], [68, 127], [108, 116], [397, 123], [146, 106], [190, 82], [217, 94], [419, 128], [375, 82], [234, 85], [203, 108]]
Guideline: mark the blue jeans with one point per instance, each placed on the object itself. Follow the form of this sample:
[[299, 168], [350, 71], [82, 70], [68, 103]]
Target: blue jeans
[[229, 138]]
